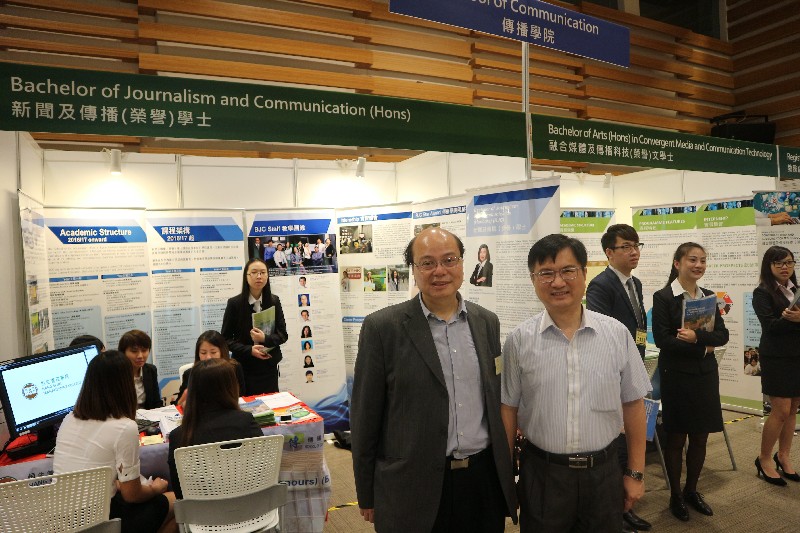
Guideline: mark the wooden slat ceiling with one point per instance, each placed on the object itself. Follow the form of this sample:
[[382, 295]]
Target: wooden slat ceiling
[[677, 79], [766, 54]]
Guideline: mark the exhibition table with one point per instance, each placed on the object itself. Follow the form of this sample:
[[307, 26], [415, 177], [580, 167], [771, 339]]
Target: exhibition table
[[303, 469]]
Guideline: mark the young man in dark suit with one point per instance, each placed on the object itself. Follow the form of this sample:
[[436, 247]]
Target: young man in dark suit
[[429, 449], [615, 292]]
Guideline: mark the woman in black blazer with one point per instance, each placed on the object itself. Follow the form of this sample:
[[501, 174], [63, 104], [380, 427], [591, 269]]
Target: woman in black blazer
[[779, 352], [210, 345], [211, 414], [482, 275], [259, 354], [689, 377]]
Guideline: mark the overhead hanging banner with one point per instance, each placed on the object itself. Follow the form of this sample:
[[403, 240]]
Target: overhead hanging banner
[[529, 21], [789, 162], [571, 139], [63, 100]]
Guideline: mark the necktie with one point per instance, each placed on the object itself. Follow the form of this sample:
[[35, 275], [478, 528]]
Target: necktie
[[635, 303]]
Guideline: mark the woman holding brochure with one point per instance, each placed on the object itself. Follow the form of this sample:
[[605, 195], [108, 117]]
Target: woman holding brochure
[[780, 361], [101, 431], [258, 352], [689, 373], [211, 414]]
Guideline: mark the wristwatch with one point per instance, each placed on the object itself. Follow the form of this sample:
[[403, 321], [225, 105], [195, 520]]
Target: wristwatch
[[635, 474]]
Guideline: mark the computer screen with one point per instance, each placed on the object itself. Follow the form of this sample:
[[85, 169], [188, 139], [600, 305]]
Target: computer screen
[[38, 391]]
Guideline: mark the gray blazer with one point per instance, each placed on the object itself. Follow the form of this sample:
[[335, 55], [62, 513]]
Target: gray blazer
[[399, 415]]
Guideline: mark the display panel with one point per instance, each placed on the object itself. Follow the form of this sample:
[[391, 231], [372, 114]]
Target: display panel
[[38, 391]]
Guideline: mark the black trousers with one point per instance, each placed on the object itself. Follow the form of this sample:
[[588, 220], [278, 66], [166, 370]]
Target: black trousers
[[472, 500], [558, 499]]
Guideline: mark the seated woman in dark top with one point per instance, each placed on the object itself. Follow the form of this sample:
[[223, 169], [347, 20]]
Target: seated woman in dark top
[[210, 345], [211, 413]]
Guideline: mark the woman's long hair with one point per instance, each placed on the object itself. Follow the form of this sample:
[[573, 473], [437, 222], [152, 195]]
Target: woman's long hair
[[680, 253], [767, 278], [214, 338], [212, 386], [108, 390]]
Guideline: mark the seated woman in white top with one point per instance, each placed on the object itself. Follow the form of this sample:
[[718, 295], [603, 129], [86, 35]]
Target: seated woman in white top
[[101, 431]]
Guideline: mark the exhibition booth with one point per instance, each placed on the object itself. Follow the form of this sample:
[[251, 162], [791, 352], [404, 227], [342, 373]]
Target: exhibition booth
[[159, 243]]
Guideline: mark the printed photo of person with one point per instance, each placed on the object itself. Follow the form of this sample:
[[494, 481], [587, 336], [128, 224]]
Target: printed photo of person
[[306, 333], [303, 300], [482, 275], [375, 279], [752, 365], [305, 316], [308, 362], [355, 239], [303, 282], [307, 345], [309, 376], [397, 280], [255, 247]]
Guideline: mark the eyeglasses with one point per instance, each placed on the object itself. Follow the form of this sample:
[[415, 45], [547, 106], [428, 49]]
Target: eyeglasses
[[781, 264], [257, 274], [546, 277], [426, 265], [628, 248]]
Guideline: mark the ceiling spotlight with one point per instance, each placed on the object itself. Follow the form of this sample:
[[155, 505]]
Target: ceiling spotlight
[[115, 161], [360, 165]]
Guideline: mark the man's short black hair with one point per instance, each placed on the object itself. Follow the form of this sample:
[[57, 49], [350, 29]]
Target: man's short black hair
[[550, 246], [623, 231]]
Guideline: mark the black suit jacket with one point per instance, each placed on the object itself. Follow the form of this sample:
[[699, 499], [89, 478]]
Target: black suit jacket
[[678, 355], [779, 337], [485, 272], [152, 392], [215, 426], [399, 415], [606, 294], [260, 376]]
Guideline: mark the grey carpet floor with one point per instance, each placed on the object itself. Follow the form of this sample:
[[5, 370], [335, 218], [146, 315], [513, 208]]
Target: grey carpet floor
[[741, 502]]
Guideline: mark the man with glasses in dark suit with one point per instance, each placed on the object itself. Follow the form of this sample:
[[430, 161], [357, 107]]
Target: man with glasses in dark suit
[[617, 293], [429, 450]]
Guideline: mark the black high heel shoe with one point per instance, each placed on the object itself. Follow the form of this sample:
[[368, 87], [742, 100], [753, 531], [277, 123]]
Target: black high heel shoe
[[771, 480], [778, 466]]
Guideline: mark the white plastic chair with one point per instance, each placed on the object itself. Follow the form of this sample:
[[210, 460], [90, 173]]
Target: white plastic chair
[[73, 501], [230, 486], [182, 370]]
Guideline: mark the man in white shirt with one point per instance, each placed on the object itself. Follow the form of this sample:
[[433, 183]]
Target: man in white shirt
[[571, 378]]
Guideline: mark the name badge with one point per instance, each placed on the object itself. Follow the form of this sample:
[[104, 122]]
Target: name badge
[[498, 365], [641, 337]]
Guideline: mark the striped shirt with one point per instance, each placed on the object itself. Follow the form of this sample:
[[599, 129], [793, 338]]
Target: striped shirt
[[467, 427], [569, 394]]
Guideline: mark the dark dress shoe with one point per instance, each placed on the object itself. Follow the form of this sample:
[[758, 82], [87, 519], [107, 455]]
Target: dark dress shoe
[[636, 522], [771, 480], [695, 499], [626, 527], [678, 508], [794, 476]]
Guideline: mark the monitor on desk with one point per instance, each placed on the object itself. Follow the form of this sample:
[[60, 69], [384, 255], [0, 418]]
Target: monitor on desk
[[39, 390]]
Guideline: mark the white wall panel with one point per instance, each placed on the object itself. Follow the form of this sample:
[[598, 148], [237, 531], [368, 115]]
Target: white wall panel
[[82, 179], [214, 182]]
